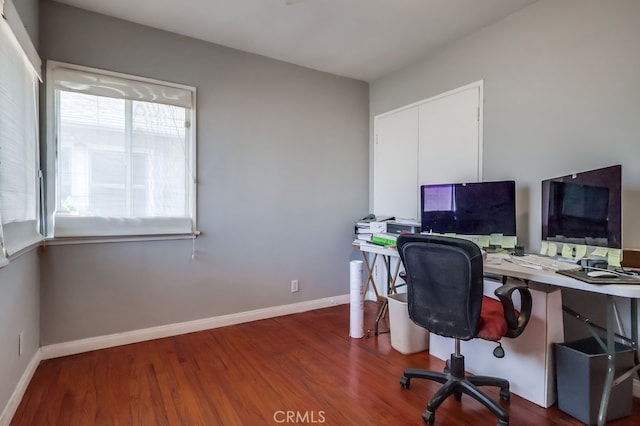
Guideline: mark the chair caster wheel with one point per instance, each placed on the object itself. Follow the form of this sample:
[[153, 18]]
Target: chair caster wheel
[[505, 394], [446, 367], [405, 382], [457, 396], [429, 417]]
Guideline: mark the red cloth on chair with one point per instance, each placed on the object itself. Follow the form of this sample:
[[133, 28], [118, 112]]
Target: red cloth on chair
[[493, 325]]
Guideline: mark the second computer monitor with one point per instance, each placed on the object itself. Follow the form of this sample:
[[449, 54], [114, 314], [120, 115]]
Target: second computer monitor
[[478, 208], [584, 208]]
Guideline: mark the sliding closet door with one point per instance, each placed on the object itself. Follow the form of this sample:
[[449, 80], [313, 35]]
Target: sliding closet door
[[450, 148], [395, 163], [438, 140]]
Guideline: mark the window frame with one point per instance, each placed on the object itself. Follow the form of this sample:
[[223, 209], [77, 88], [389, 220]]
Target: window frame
[[121, 229]]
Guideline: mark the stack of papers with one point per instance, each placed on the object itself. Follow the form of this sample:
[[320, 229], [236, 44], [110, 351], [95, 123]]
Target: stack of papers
[[365, 230]]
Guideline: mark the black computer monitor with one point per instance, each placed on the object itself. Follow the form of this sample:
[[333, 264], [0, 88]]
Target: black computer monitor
[[478, 208], [584, 208]]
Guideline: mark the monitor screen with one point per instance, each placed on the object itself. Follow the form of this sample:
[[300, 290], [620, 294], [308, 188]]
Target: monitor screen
[[479, 208], [584, 208]]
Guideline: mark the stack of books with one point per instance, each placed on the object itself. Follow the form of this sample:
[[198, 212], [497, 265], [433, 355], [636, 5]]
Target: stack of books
[[385, 239], [365, 230]]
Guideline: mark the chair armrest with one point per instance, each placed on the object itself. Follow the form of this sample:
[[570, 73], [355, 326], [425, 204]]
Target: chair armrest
[[516, 321]]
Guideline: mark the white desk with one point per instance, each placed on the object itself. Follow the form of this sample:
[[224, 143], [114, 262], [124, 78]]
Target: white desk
[[528, 361], [495, 264]]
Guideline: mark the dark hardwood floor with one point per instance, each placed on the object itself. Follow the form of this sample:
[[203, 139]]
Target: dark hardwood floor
[[295, 369]]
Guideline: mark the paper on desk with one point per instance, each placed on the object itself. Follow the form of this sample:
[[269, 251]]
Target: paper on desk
[[581, 251], [377, 227], [544, 247], [508, 242], [600, 251], [483, 240], [495, 239], [552, 250], [615, 257], [567, 251]]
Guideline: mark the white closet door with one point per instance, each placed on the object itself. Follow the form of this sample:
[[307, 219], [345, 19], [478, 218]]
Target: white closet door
[[395, 164], [450, 148], [437, 140]]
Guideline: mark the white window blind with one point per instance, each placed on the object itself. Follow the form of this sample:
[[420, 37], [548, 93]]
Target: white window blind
[[125, 154], [19, 68]]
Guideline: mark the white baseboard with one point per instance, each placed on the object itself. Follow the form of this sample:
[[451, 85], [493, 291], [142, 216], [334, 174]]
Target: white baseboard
[[135, 336], [21, 387]]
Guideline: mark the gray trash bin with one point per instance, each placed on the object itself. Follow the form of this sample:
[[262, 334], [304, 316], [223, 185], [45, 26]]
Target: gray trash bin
[[581, 369]]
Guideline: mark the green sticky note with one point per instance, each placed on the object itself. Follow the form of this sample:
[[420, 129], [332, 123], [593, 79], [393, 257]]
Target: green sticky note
[[544, 248], [581, 251], [508, 242], [553, 249], [600, 251], [483, 240], [567, 251], [615, 257], [495, 239]]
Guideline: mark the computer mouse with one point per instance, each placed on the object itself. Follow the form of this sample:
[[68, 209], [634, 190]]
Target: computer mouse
[[601, 274]]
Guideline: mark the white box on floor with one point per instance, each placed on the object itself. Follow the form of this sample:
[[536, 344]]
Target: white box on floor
[[528, 363]]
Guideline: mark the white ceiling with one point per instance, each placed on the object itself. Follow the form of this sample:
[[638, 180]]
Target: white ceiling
[[362, 39]]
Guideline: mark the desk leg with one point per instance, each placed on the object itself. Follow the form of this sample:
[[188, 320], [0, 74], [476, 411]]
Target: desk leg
[[381, 312], [392, 277], [385, 302], [370, 279], [634, 332], [611, 358]]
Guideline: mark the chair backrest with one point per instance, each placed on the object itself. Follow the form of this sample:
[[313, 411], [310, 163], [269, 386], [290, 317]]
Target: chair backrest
[[444, 278]]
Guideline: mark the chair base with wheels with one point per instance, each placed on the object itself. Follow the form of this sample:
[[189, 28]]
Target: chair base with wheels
[[455, 382], [445, 294]]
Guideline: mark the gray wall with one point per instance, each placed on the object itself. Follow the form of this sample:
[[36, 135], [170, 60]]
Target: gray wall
[[561, 95], [19, 313], [19, 283], [282, 175]]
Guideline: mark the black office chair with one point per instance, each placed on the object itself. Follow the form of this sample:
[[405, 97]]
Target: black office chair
[[444, 277]]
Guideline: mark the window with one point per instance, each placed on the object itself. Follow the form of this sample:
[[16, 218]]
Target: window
[[19, 77], [125, 157]]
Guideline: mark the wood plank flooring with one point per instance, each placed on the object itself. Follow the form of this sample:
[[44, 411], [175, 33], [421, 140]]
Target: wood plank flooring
[[295, 369]]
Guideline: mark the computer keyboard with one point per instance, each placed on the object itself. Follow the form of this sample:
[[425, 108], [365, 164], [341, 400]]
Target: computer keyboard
[[545, 262]]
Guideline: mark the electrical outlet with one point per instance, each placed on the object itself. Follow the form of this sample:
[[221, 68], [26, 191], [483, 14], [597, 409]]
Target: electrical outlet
[[294, 286], [20, 343]]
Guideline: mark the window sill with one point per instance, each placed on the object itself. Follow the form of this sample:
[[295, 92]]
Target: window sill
[[60, 241], [4, 261]]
